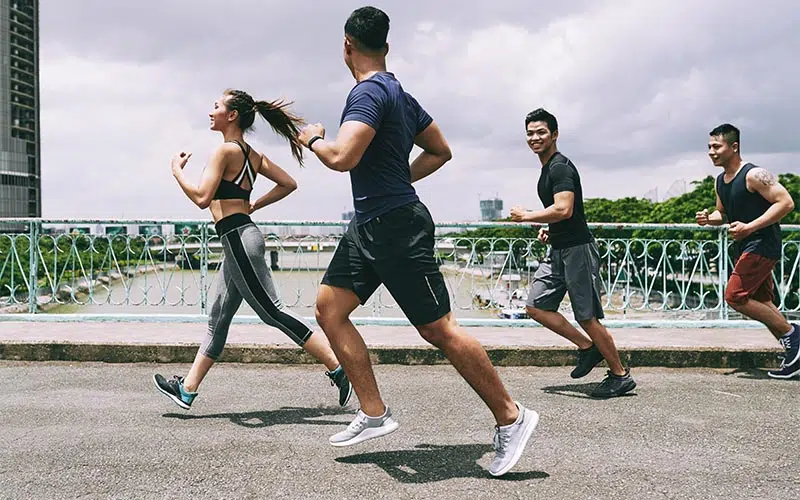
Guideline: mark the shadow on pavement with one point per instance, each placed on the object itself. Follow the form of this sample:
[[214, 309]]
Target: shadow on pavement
[[750, 373], [267, 418], [581, 391], [428, 463], [757, 374]]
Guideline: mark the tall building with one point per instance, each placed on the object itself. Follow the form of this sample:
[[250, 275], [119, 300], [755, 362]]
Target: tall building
[[20, 184], [491, 209]]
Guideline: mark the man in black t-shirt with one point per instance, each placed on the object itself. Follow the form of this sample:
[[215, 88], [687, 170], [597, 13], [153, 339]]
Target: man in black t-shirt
[[574, 264]]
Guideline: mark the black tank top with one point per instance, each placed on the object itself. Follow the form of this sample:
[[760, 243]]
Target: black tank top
[[742, 205], [233, 190]]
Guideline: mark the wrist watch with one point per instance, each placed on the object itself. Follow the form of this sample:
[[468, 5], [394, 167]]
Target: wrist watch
[[312, 141]]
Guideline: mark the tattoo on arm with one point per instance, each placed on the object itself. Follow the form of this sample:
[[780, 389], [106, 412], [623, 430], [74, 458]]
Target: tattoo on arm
[[765, 177]]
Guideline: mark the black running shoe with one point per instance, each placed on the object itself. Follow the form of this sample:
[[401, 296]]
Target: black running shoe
[[587, 359], [790, 366], [173, 389], [785, 371], [339, 379], [614, 385]]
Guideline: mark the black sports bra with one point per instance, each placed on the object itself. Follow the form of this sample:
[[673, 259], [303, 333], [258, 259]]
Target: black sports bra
[[233, 190]]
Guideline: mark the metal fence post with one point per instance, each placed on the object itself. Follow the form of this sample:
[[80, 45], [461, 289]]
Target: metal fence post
[[723, 271], [34, 229], [203, 267]]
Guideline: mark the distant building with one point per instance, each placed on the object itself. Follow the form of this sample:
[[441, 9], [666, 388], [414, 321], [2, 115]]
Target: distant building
[[491, 209], [348, 216], [20, 183]]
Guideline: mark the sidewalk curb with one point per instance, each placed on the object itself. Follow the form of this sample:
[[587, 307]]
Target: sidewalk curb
[[670, 357]]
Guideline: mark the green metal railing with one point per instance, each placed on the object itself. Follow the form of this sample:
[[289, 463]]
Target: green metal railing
[[73, 270]]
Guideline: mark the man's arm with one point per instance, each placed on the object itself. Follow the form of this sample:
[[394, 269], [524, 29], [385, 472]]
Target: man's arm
[[717, 218], [435, 152], [343, 154], [284, 184], [362, 117], [202, 194], [563, 199], [765, 184], [561, 209]]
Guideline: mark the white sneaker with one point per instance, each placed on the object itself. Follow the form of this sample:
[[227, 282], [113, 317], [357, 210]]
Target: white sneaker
[[364, 427], [510, 440]]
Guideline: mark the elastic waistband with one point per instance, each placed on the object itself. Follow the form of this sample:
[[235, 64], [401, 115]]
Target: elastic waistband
[[231, 222], [582, 244]]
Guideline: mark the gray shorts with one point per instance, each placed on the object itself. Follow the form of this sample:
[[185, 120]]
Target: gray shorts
[[574, 270]]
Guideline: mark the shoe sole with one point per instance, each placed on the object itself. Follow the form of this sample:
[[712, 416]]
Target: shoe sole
[[349, 395], [576, 377], [784, 377], [171, 396], [528, 432], [367, 434], [617, 394]]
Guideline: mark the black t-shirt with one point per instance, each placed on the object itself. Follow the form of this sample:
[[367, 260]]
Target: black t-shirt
[[558, 175]]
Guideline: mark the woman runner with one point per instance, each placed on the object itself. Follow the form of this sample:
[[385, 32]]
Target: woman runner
[[225, 188]]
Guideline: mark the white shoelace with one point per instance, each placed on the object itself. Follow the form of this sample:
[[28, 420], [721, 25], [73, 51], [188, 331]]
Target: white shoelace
[[787, 344], [358, 424], [500, 441]]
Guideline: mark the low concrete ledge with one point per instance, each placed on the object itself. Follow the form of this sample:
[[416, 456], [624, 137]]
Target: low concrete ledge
[[670, 357]]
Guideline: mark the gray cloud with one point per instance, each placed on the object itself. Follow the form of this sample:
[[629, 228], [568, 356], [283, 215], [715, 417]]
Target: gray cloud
[[636, 86]]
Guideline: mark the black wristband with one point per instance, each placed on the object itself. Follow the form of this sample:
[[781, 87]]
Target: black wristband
[[312, 141]]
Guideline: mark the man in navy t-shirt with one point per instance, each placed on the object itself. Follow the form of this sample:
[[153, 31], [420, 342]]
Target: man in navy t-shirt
[[391, 241]]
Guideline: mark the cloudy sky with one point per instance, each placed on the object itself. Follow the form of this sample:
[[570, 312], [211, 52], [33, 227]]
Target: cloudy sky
[[636, 86]]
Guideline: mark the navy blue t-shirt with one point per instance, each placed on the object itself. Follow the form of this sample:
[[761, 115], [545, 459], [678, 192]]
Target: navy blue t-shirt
[[382, 179]]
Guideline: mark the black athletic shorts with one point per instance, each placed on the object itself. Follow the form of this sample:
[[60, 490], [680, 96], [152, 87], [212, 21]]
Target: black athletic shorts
[[396, 249]]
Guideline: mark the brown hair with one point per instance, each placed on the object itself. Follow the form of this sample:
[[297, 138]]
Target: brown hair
[[283, 122]]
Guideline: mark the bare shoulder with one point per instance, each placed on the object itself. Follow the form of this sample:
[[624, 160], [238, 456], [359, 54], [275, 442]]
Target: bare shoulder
[[761, 177], [227, 149]]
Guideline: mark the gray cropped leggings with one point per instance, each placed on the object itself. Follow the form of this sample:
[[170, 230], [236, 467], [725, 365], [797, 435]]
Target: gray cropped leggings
[[245, 275]]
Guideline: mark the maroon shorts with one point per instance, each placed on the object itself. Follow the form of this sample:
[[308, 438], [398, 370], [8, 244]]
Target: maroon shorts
[[751, 279]]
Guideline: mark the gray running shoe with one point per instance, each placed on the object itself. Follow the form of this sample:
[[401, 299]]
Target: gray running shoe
[[587, 359], [614, 385], [364, 427], [510, 441]]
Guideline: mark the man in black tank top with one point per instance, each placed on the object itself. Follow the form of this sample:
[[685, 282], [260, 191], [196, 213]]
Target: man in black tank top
[[573, 266], [753, 202]]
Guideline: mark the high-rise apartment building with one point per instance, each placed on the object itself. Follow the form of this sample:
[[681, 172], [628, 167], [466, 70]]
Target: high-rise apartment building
[[491, 209], [20, 184]]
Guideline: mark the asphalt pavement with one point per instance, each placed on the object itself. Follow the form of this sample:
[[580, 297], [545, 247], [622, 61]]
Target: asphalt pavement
[[99, 430]]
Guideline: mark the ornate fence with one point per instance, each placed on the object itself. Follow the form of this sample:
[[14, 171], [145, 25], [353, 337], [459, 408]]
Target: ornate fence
[[164, 269]]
